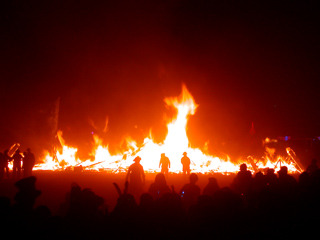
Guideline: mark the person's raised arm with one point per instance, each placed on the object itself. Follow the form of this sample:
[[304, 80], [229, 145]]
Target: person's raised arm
[[127, 176]]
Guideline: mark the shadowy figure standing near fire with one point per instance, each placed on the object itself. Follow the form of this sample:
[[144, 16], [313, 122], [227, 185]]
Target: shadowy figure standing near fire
[[313, 167], [164, 164], [159, 187], [27, 194], [136, 178], [7, 159], [28, 163], [211, 187], [190, 192], [17, 159], [4, 161], [185, 161], [286, 182], [242, 183]]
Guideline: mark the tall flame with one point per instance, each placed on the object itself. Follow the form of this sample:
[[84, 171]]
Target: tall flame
[[175, 143]]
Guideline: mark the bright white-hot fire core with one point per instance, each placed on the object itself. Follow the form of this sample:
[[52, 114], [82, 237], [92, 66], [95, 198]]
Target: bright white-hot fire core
[[175, 143]]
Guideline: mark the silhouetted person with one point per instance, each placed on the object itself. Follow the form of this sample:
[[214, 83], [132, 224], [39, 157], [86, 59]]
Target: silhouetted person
[[259, 182], [211, 187], [285, 180], [243, 181], [146, 203], [287, 187], [28, 163], [305, 182], [159, 187], [7, 159], [185, 161], [227, 205], [136, 177], [146, 214], [313, 167], [17, 159], [271, 177], [124, 215], [84, 204], [27, 194], [164, 164], [190, 191]]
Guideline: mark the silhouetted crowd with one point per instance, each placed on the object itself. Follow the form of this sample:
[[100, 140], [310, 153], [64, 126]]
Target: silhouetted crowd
[[22, 163], [261, 206]]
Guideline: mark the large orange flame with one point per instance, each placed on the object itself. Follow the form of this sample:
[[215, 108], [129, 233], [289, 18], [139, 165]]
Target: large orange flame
[[175, 143]]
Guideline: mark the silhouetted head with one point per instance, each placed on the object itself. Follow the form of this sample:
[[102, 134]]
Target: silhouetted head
[[160, 178], [270, 171], [27, 191], [126, 201], [18, 151], [137, 159], [259, 175], [146, 200], [42, 212], [26, 184], [243, 167], [213, 180], [314, 161], [75, 190], [184, 153], [163, 154], [193, 178], [28, 150], [283, 170], [304, 179]]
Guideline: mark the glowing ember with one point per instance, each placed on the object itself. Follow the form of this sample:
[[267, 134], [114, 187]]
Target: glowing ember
[[174, 145]]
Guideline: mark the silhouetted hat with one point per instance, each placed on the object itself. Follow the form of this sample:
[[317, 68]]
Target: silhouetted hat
[[184, 153], [137, 159], [27, 185]]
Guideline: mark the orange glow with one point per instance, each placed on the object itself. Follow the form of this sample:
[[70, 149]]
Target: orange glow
[[175, 143]]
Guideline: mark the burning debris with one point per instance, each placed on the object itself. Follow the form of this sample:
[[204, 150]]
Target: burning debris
[[175, 143]]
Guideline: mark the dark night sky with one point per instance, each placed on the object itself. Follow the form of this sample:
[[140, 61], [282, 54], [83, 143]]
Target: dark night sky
[[243, 61]]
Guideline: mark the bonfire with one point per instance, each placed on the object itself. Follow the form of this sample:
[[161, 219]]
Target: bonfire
[[175, 143]]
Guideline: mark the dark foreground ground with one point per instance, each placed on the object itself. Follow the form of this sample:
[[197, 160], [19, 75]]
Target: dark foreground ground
[[56, 184], [271, 208]]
